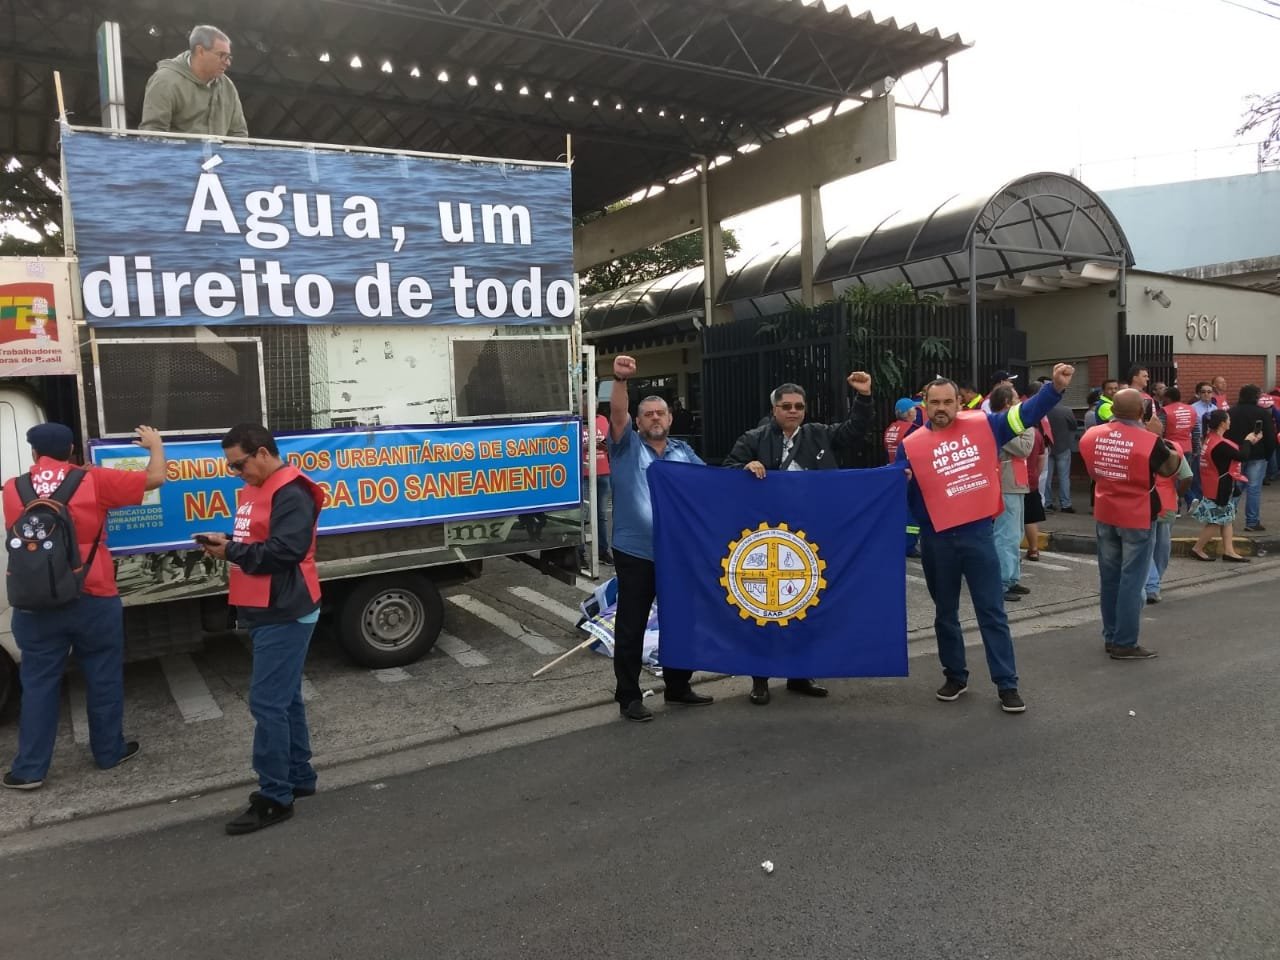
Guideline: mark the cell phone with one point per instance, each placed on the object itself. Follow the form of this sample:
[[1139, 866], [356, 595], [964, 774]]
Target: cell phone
[[1148, 409], [203, 539], [1257, 426]]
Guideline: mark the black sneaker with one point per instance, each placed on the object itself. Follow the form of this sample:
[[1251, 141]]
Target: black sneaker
[[262, 812], [1010, 595], [304, 791], [636, 712], [1010, 702], [1019, 589], [1132, 653], [131, 750], [17, 783], [688, 698], [1108, 647], [1153, 598], [1068, 509], [951, 690]]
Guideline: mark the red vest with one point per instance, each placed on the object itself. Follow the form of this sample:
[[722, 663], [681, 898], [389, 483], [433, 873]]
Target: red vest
[[1209, 475], [253, 525], [1221, 400], [1167, 487], [958, 471], [1267, 401], [894, 434], [1180, 420], [1118, 457]]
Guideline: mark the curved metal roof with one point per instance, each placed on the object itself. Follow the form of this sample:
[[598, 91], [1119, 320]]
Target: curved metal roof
[[1033, 227], [642, 86]]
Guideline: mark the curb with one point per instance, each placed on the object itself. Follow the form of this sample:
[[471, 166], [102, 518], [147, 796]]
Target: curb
[[1180, 547]]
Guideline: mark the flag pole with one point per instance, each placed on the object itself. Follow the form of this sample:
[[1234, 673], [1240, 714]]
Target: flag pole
[[564, 656]]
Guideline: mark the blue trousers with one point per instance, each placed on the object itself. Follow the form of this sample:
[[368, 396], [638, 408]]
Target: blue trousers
[[1162, 547], [1059, 473], [1009, 531], [1124, 562], [1255, 471], [971, 556], [93, 629], [281, 740]]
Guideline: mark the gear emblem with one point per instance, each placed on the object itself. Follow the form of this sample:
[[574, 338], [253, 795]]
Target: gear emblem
[[773, 575]]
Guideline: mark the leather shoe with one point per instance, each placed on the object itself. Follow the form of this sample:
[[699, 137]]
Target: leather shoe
[[807, 687], [688, 698], [760, 692]]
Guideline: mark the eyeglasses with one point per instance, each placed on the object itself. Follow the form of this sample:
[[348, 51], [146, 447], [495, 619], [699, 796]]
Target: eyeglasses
[[1205, 390], [791, 406], [237, 466], [222, 55]]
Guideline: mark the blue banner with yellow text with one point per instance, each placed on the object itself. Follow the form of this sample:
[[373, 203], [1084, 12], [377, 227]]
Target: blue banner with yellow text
[[372, 479], [801, 574]]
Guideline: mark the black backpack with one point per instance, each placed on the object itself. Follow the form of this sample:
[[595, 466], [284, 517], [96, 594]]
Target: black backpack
[[44, 570]]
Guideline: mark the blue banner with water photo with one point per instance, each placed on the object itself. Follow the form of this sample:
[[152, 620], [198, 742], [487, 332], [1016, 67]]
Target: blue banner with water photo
[[372, 479], [801, 574], [181, 232]]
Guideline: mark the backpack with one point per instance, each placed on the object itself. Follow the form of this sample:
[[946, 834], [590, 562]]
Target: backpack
[[44, 570]]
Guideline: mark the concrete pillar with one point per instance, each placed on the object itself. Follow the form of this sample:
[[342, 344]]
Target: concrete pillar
[[717, 273], [813, 247]]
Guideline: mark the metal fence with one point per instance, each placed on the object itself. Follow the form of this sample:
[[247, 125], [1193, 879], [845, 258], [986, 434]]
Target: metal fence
[[1153, 351], [902, 346]]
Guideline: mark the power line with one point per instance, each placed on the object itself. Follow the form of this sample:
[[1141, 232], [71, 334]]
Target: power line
[[1261, 13]]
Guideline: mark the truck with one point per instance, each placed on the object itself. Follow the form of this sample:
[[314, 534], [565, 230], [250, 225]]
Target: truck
[[405, 323]]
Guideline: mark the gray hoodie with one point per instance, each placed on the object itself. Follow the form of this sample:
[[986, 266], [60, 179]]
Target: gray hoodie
[[176, 100]]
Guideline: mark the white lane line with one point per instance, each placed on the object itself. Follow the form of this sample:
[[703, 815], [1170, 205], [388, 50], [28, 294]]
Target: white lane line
[[1041, 565], [79, 709], [460, 651], [589, 586], [1087, 561], [189, 690], [915, 579], [308, 691], [392, 675], [497, 618], [561, 610]]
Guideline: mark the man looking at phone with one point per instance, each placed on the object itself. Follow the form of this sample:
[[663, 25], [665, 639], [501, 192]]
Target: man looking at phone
[[1247, 417], [276, 592]]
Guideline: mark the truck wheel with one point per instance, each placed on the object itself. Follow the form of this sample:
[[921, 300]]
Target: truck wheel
[[390, 621], [8, 681]]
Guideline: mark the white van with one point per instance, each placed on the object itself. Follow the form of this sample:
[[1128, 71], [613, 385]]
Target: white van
[[19, 412]]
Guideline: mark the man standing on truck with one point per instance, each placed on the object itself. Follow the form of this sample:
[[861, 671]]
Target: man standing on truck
[[191, 93], [276, 592], [92, 625]]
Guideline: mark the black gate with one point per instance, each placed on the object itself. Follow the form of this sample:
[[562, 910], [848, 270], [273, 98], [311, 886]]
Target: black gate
[[1153, 351], [903, 346]]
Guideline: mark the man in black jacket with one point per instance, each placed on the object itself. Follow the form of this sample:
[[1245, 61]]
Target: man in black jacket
[[786, 442], [1248, 417]]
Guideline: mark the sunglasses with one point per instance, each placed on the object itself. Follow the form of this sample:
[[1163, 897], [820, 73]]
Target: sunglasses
[[790, 406], [237, 466]]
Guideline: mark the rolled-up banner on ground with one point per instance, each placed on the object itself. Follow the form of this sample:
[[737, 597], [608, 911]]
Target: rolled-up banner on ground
[[801, 574]]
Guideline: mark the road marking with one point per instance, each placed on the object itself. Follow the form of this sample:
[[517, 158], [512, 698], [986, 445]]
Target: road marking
[[496, 618], [461, 652], [79, 709], [308, 691], [1041, 565], [392, 675], [1089, 562], [561, 610], [589, 586], [190, 692]]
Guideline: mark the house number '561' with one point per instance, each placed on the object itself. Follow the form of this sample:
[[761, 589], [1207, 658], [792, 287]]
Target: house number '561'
[[1200, 326]]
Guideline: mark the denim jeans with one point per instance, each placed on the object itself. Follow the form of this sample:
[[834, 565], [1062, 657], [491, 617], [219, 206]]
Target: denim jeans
[[1059, 474], [947, 558], [93, 629], [1124, 561], [1008, 536], [281, 741], [1255, 471], [1162, 546]]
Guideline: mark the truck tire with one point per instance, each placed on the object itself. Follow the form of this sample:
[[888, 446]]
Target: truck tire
[[391, 620], [8, 682]]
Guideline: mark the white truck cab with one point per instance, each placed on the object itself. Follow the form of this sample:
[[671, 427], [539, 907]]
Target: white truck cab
[[19, 412]]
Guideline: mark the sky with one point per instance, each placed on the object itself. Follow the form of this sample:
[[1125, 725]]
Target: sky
[[1123, 92]]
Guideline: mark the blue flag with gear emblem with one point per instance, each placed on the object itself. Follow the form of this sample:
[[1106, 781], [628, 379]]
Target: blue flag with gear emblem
[[801, 574]]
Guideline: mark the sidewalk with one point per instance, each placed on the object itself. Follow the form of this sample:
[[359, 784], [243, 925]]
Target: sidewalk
[[1074, 533]]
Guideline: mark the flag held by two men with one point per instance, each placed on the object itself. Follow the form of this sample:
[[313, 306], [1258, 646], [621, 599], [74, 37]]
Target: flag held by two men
[[801, 574]]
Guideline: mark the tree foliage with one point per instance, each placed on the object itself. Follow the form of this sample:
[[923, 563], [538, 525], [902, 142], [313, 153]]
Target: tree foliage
[[25, 202], [649, 264], [1264, 112]]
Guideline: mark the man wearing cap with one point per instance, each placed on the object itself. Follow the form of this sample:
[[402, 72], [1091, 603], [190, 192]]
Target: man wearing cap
[[92, 626], [999, 379], [907, 416], [787, 442]]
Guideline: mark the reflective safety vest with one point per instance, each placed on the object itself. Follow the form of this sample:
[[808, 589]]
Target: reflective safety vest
[[1209, 475], [1180, 421], [957, 470], [1118, 457], [253, 525], [1167, 487]]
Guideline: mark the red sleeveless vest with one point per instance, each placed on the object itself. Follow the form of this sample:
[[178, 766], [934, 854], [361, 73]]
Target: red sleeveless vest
[[253, 525], [894, 434], [1180, 419], [1209, 475], [958, 471], [1118, 456], [1167, 487]]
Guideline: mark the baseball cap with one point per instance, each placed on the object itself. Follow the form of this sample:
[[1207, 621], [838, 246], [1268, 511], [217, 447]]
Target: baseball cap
[[905, 405], [51, 439], [1003, 375]]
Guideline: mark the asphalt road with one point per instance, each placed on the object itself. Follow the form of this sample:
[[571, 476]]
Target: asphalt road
[[899, 827]]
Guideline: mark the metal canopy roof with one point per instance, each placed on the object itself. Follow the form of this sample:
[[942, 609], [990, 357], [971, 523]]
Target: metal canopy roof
[[641, 84], [1036, 234], [1030, 236]]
